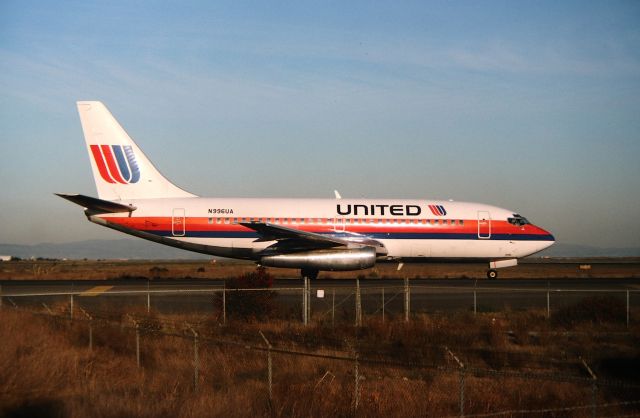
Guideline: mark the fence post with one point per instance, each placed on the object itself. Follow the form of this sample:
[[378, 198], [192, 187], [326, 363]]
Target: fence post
[[196, 363], [407, 296], [548, 305], [333, 307], [305, 312], [461, 380], [358, 305], [309, 301], [0, 296], [148, 298], [594, 389], [356, 392], [627, 308], [48, 309], [475, 297], [461, 392], [383, 305], [90, 318], [224, 304], [71, 306], [137, 344], [269, 367]]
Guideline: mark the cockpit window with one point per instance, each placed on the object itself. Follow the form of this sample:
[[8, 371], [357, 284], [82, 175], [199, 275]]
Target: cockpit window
[[518, 220]]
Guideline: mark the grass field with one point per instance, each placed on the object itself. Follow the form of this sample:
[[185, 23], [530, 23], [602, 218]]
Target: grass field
[[513, 361], [528, 269]]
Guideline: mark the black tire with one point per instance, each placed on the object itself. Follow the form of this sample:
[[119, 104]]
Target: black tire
[[309, 273], [492, 274]]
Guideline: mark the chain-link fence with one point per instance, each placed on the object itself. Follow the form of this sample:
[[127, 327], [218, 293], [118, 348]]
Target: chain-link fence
[[294, 380], [345, 303]]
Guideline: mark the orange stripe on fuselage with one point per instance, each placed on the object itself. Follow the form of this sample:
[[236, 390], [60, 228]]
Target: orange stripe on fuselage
[[164, 223]]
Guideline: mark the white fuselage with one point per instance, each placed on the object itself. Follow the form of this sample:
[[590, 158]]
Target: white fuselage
[[408, 229]]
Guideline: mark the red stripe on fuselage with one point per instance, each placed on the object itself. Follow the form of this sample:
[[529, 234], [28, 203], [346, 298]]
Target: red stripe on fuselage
[[164, 223], [97, 157]]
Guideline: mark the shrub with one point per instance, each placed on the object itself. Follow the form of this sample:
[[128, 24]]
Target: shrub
[[595, 309], [249, 304]]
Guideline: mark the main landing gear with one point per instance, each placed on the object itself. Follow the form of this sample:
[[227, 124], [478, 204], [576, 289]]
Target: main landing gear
[[492, 274], [309, 274]]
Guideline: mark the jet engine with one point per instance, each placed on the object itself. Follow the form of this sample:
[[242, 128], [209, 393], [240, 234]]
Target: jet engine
[[330, 259]]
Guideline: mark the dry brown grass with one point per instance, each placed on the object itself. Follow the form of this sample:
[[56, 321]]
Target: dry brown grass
[[47, 369]]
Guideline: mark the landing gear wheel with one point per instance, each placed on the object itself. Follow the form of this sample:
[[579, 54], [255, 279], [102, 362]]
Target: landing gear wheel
[[309, 273], [492, 274]]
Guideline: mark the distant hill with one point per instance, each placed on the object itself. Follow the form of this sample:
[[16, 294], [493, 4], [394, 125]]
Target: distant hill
[[575, 250], [100, 249], [141, 249]]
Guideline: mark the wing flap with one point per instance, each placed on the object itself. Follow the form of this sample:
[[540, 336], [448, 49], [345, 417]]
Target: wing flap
[[271, 232], [290, 239]]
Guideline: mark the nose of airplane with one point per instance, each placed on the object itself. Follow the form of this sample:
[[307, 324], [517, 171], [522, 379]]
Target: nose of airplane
[[546, 238]]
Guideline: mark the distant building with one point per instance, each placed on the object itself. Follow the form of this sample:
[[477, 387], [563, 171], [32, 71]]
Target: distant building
[[5, 258]]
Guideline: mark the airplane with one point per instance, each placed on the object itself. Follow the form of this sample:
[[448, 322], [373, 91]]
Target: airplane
[[312, 235]]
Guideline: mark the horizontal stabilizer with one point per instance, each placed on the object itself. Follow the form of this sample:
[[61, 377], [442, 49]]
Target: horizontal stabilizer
[[97, 205]]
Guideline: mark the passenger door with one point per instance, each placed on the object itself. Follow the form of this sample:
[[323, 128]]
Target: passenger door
[[484, 224], [177, 222]]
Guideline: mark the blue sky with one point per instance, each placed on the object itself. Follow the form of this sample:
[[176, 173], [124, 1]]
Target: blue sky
[[533, 107]]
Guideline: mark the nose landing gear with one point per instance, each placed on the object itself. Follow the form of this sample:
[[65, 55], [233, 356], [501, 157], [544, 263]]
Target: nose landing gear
[[498, 264]]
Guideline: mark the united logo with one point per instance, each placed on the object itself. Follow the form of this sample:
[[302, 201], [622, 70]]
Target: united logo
[[116, 163], [438, 210]]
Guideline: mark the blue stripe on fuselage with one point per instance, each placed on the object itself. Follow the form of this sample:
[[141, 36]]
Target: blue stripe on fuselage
[[383, 235]]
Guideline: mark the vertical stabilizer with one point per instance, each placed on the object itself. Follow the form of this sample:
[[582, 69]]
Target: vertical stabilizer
[[120, 169]]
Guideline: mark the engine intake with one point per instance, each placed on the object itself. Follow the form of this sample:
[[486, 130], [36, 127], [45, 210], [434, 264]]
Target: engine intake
[[331, 260]]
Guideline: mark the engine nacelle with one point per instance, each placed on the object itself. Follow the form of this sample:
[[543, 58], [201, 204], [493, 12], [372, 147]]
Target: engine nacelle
[[331, 260]]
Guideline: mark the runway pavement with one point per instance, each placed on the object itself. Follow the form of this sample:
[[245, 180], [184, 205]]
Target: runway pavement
[[377, 295]]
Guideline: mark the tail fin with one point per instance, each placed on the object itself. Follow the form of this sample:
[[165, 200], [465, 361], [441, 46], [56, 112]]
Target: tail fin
[[120, 169]]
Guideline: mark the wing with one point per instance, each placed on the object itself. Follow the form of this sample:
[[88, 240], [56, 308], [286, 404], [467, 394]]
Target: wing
[[289, 239]]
